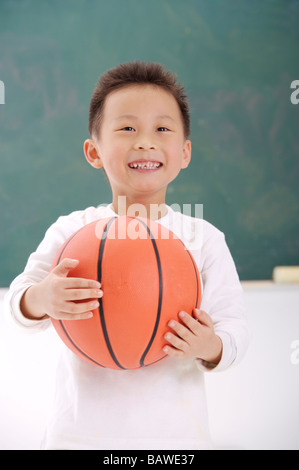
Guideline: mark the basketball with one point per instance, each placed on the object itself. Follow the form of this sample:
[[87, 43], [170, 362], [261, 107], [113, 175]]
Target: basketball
[[147, 276]]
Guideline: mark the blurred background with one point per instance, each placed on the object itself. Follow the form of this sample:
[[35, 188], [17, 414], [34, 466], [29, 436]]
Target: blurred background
[[237, 60]]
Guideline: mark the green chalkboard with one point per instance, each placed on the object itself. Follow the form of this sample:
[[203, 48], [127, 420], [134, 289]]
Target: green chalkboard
[[237, 60]]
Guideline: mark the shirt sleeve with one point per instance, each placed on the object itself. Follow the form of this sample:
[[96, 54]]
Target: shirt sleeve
[[223, 300], [36, 269]]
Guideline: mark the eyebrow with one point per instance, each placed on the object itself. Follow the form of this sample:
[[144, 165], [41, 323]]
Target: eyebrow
[[131, 116]]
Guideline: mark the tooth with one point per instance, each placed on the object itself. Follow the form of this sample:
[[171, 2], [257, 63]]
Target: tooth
[[143, 166]]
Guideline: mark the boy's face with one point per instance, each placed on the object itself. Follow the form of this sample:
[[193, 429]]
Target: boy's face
[[141, 143]]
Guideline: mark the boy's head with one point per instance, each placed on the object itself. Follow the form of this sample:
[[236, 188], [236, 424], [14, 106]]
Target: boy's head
[[139, 125], [134, 73]]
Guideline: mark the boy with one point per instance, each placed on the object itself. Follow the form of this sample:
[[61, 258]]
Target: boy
[[139, 127]]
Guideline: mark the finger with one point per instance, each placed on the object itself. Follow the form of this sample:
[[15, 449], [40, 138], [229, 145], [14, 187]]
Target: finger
[[181, 331], [173, 351], [176, 342], [68, 316], [204, 318], [74, 308], [63, 268], [82, 294], [190, 322], [80, 283]]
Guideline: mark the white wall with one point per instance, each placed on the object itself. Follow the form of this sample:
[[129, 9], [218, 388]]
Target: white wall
[[254, 405]]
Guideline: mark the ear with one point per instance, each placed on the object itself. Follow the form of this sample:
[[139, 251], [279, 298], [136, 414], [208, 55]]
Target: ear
[[91, 153], [186, 154]]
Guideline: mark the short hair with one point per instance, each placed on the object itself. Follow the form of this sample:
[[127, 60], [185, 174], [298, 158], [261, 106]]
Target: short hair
[[135, 73]]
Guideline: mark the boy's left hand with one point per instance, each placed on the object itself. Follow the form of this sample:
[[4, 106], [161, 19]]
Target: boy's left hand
[[194, 338]]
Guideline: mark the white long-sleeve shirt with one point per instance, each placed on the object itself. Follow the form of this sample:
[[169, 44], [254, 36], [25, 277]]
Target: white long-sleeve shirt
[[158, 407]]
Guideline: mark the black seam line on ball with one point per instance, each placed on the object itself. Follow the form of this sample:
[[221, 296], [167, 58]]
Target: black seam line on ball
[[158, 315], [77, 347], [101, 309], [70, 239], [196, 275], [61, 322], [154, 362]]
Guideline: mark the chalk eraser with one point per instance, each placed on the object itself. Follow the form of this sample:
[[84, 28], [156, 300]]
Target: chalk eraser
[[286, 274]]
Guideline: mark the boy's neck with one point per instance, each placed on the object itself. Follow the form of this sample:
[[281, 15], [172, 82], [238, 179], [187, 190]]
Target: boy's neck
[[122, 205]]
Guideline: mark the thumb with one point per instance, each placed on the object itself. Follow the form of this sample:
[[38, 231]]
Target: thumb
[[63, 268], [203, 317]]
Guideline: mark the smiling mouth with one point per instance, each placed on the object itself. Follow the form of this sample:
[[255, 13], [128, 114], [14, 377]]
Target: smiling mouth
[[145, 165]]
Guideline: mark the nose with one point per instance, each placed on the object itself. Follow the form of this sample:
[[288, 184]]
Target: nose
[[144, 144]]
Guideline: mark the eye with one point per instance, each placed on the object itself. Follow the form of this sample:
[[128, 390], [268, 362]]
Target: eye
[[162, 129], [127, 128]]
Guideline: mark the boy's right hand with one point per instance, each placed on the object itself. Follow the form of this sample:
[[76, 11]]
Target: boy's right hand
[[56, 296]]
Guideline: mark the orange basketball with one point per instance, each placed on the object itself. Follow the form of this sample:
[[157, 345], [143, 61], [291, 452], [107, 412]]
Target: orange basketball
[[147, 275]]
